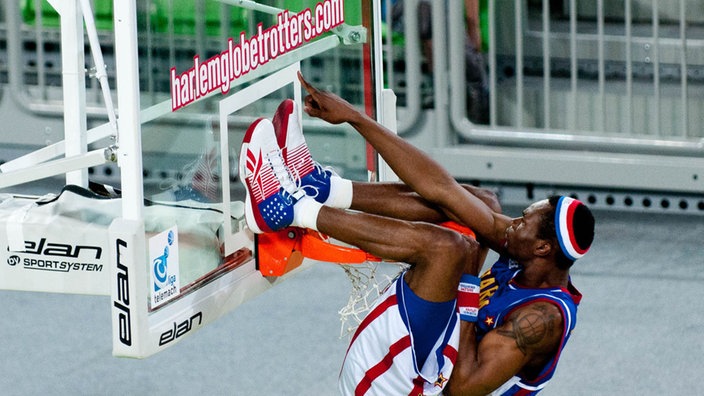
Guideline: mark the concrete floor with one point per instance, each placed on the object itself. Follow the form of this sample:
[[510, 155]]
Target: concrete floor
[[638, 330]]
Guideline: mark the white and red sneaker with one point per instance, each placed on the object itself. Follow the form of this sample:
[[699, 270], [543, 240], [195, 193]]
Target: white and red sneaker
[[271, 190], [314, 179]]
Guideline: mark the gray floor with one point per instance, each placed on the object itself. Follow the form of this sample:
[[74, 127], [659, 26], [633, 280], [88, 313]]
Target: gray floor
[[638, 332]]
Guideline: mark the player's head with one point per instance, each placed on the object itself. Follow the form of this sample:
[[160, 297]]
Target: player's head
[[570, 224]]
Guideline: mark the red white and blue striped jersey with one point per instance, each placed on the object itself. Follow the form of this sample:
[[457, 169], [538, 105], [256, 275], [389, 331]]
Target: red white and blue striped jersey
[[381, 359], [500, 295]]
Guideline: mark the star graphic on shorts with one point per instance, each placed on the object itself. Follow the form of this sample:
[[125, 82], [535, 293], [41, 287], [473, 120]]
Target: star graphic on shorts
[[489, 321], [441, 380]]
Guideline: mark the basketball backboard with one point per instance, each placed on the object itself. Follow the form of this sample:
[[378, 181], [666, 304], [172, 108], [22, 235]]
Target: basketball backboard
[[189, 77]]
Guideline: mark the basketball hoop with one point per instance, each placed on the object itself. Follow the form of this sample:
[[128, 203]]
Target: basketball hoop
[[282, 251]]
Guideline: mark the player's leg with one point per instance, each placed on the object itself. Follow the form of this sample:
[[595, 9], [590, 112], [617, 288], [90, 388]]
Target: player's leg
[[425, 294], [438, 258], [274, 201], [438, 255], [394, 200]]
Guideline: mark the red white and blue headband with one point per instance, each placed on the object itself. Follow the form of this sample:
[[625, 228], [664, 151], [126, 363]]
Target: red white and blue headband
[[564, 228]]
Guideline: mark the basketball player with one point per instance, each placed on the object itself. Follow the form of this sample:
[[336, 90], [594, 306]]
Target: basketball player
[[431, 322]]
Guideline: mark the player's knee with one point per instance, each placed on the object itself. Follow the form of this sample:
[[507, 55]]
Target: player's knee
[[453, 248]]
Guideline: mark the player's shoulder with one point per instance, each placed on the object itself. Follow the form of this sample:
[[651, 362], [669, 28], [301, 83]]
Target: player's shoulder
[[540, 309], [537, 325]]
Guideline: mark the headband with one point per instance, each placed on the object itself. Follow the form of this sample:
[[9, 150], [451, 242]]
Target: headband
[[564, 228]]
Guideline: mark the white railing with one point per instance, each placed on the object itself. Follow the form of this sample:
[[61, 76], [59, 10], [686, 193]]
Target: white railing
[[546, 68], [612, 79]]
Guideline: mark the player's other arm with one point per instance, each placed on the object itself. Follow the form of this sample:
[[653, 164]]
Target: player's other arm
[[525, 342], [424, 175]]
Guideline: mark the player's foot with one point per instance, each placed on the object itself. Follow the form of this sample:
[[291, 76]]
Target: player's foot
[[271, 191], [314, 179]]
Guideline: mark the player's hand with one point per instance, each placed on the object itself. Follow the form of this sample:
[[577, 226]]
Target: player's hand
[[326, 105]]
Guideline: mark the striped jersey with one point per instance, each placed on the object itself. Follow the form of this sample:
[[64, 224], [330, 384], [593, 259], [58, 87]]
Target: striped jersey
[[500, 295]]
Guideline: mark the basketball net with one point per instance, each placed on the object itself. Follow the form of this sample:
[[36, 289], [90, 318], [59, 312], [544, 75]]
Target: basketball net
[[367, 284]]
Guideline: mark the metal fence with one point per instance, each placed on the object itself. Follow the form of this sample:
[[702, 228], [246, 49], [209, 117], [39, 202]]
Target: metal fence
[[611, 91], [584, 68]]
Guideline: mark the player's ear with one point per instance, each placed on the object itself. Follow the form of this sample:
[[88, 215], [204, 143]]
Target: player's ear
[[543, 247]]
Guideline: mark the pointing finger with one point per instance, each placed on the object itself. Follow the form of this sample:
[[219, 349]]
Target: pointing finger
[[311, 89]]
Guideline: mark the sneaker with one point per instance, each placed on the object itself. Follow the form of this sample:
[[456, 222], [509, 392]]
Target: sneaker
[[271, 190], [314, 179]]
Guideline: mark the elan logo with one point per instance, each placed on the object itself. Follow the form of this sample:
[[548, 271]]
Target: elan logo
[[122, 297], [179, 329], [43, 247]]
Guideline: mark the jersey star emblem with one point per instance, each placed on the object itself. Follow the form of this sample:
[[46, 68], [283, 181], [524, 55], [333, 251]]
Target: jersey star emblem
[[489, 321], [440, 382]]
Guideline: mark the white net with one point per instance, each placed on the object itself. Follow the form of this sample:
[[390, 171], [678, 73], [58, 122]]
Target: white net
[[368, 281]]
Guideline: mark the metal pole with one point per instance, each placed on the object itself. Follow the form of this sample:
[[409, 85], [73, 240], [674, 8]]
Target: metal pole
[[442, 122], [572, 121], [129, 127], [100, 68], [656, 68], [601, 119], [39, 37], [414, 76], [629, 68], [518, 15], [546, 64], [74, 87], [684, 87], [456, 49], [492, 64]]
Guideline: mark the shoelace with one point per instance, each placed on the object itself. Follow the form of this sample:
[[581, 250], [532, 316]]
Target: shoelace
[[311, 190], [290, 184], [321, 170]]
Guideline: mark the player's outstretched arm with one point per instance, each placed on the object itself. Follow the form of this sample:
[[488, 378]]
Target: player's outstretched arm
[[397, 200], [415, 168]]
